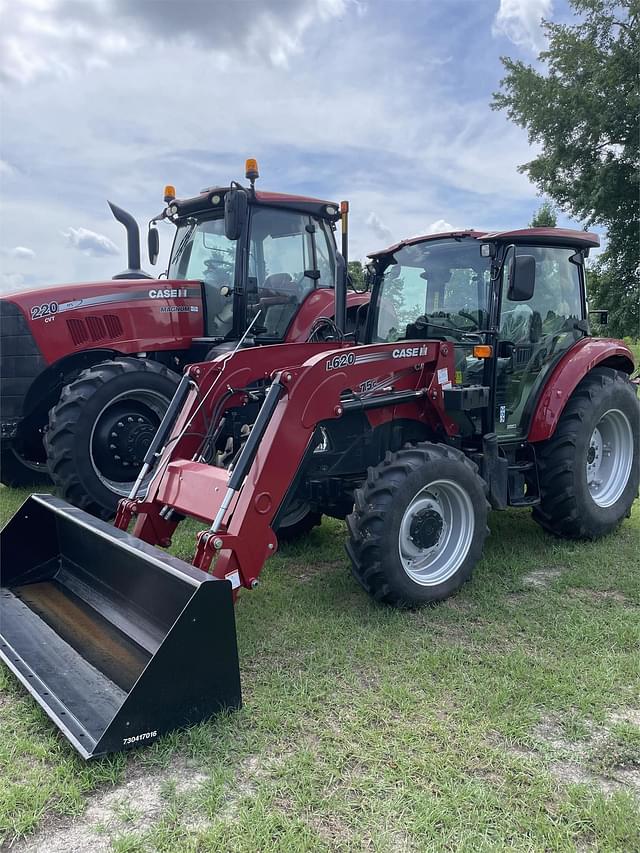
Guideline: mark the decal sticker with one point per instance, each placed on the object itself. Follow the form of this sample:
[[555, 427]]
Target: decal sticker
[[234, 577], [179, 309], [443, 376], [409, 352], [138, 738], [169, 293], [458, 377], [44, 310], [503, 414], [343, 359]]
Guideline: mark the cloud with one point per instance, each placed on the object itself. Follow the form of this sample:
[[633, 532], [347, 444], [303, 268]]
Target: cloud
[[20, 253], [56, 38], [378, 227], [519, 21], [89, 242], [440, 226]]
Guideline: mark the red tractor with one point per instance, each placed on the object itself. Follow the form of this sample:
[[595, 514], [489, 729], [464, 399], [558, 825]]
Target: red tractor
[[92, 367], [474, 383]]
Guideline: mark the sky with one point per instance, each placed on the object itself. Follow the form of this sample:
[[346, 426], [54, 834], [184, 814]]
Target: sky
[[384, 103]]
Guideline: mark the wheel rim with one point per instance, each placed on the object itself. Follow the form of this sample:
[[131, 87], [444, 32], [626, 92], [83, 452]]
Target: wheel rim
[[436, 532], [609, 458], [121, 435]]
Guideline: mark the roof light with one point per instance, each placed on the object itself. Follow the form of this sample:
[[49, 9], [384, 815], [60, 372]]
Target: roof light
[[344, 207], [251, 169], [169, 193], [215, 199]]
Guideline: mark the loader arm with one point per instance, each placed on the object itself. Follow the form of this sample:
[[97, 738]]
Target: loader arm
[[318, 386]]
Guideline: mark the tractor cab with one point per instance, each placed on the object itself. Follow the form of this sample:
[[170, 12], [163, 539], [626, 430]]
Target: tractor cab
[[259, 256], [510, 304]]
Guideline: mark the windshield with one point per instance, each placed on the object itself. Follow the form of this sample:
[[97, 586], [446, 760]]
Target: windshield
[[434, 289], [290, 254], [202, 252]]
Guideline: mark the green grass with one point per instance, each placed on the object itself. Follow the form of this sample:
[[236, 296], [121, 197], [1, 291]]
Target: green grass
[[506, 718]]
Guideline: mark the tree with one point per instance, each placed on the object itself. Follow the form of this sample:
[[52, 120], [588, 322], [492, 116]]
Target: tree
[[583, 109], [356, 274], [544, 217]]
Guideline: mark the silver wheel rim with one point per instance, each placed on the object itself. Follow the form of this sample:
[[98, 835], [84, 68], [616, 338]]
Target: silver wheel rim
[[609, 458], [436, 532], [158, 404]]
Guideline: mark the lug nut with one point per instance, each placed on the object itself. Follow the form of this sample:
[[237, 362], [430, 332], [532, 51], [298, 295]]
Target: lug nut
[[120, 424], [113, 447], [116, 457]]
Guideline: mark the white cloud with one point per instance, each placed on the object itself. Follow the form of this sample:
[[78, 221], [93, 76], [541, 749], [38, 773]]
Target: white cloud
[[20, 253], [378, 227], [519, 21], [440, 226], [90, 242], [57, 38]]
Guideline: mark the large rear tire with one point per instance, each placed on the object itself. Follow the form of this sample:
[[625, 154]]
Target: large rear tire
[[589, 469], [418, 525], [101, 428]]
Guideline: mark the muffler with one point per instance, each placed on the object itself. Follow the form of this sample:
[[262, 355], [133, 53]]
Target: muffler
[[118, 641]]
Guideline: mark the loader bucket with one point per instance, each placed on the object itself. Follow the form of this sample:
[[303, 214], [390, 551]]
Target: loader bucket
[[117, 641]]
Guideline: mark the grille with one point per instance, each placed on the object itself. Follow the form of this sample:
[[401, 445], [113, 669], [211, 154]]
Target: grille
[[94, 329], [21, 359]]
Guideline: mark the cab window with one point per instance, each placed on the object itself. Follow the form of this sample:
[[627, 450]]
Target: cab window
[[281, 250], [436, 289]]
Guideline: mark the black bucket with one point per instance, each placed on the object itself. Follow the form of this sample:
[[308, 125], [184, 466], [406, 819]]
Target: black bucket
[[118, 641]]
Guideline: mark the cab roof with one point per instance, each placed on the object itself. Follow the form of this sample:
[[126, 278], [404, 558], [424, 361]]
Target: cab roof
[[305, 204], [530, 236]]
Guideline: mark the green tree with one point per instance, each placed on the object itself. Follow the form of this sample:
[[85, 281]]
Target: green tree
[[356, 273], [544, 217], [582, 108]]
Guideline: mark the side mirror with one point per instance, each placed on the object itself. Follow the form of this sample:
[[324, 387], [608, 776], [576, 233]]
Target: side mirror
[[600, 316], [522, 278], [236, 204], [153, 244]]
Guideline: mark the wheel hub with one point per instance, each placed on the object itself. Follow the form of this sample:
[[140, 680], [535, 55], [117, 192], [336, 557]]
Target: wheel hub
[[122, 438], [609, 458], [426, 528], [436, 531]]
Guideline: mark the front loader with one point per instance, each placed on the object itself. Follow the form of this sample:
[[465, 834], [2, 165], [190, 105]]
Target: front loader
[[476, 384], [88, 369]]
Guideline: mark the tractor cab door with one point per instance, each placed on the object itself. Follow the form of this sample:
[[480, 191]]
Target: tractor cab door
[[290, 254], [201, 251], [535, 333]]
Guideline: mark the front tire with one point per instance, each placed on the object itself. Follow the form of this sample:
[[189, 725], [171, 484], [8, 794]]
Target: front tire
[[418, 525], [589, 469], [101, 427]]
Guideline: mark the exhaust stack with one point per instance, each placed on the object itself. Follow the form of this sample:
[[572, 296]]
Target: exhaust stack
[[133, 243]]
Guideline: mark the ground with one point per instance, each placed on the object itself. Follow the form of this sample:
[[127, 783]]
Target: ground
[[506, 718]]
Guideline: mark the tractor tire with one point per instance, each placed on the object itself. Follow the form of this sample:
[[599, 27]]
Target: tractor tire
[[297, 523], [589, 469], [418, 525], [101, 427], [16, 472]]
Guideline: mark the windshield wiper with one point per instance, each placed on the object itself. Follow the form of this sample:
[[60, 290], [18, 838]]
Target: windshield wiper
[[184, 241]]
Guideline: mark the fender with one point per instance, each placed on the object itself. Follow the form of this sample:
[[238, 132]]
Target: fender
[[565, 376]]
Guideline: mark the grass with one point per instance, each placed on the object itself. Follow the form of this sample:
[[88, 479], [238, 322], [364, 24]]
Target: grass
[[506, 718]]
